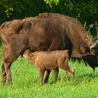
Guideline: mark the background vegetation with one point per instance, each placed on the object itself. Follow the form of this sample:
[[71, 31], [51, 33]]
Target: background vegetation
[[86, 11]]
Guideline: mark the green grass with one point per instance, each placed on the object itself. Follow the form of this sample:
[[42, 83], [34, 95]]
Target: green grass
[[26, 82]]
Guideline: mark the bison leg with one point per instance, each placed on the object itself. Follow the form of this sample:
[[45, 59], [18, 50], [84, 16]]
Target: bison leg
[[3, 74], [6, 73], [55, 45], [9, 57], [47, 76]]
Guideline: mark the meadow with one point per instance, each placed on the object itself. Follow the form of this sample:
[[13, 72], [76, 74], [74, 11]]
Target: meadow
[[26, 82]]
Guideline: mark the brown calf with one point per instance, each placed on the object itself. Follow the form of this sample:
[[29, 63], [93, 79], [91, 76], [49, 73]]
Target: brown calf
[[44, 60]]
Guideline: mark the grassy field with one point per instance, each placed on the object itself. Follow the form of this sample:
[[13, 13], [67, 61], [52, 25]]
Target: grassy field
[[26, 82]]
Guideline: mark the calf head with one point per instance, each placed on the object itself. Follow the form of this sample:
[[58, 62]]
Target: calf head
[[28, 54]]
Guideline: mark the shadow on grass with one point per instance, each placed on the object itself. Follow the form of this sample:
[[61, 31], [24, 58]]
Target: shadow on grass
[[86, 78], [83, 78]]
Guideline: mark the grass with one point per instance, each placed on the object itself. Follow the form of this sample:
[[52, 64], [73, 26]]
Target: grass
[[26, 82]]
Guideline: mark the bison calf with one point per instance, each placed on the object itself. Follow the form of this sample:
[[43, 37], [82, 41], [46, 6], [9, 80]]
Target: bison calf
[[49, 60]]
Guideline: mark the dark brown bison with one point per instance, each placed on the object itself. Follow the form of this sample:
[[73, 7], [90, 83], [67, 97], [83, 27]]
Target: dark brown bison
[[47, 31], [48, 60]]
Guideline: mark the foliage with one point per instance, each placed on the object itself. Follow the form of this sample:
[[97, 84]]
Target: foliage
[[52, 2]]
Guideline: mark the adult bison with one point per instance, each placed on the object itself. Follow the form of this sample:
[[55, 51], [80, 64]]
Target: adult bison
[[47, 31]]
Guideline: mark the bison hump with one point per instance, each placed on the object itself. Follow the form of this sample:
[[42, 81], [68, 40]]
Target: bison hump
[[15, 26]]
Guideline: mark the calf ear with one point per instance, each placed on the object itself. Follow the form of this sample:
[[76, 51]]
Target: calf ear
[[31, 54]]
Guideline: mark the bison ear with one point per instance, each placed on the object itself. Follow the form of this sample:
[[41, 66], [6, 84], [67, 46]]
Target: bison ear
[[84, 49]]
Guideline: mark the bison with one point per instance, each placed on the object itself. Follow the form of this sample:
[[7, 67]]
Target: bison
[[45, 32], [48, 60]]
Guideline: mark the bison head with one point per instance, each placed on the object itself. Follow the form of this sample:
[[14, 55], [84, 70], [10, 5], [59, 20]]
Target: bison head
[[92, 59]]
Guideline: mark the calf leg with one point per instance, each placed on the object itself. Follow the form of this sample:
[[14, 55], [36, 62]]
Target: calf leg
[[47, 76], [64, 75], [68, 69], [56, 71], [41, 72], [64, 65], [72, 73]]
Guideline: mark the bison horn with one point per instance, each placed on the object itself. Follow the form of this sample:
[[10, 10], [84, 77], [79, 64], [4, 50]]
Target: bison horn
[[92, 46]]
